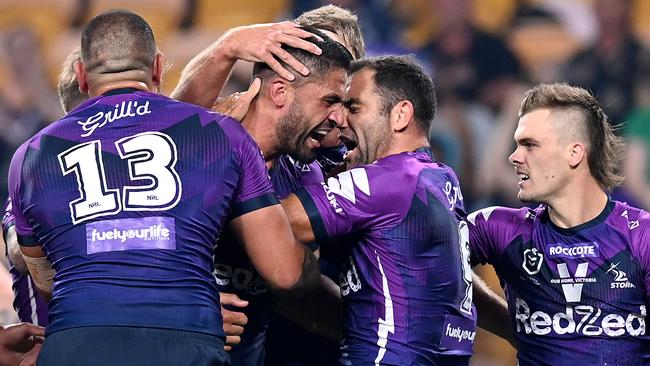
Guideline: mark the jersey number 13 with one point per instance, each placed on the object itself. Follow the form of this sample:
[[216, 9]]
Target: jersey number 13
[[151, 157]]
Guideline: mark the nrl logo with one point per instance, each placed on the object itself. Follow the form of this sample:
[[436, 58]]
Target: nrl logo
[[533, 259]]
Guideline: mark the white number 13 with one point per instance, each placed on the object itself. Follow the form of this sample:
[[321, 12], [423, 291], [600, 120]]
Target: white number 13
[[151, 157]]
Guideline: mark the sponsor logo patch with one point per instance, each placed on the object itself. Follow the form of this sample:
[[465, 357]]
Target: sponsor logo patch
[[578, 250], [130, 234], [458, 333], [584, 320]]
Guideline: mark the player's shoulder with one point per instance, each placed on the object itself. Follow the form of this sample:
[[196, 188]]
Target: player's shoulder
[[524, 216], [403, 169], [636, 219]]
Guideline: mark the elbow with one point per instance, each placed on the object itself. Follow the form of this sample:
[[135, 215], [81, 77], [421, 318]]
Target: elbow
[[284, 280], [299, 284]]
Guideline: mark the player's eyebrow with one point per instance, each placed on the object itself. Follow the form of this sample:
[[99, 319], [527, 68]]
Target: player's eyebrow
[[333, 99], [350, 102], [526, 141]]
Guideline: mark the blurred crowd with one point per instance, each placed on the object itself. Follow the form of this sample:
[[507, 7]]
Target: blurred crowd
[[482, 55]]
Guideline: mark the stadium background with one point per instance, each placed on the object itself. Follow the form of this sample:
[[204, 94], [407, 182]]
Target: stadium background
[[482, 55]]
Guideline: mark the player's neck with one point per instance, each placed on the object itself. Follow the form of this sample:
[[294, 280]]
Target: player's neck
[[262, 128], [403, 143], [578, 206], [105, 87]]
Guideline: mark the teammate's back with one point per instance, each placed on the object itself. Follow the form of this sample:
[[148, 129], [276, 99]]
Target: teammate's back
[[132, 188], [121, 202]]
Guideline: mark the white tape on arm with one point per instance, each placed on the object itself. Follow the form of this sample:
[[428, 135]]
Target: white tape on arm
[[41, 271]]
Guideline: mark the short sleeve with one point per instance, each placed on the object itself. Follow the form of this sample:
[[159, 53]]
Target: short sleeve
[[24, 230], [254, 190], [640, 232], [491, 230], [348, 203]]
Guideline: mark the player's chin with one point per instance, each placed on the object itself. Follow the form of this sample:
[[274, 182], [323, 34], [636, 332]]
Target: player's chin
[[305, 154], [526, 197]]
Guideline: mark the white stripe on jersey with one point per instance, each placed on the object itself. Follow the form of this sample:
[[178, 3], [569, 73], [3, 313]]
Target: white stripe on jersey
[[32, 301], [388, 325]]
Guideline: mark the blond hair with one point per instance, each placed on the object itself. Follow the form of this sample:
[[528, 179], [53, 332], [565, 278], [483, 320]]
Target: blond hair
[[337, 20]]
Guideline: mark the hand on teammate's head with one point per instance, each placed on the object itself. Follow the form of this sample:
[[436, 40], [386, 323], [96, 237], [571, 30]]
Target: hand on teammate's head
[[263, 43]]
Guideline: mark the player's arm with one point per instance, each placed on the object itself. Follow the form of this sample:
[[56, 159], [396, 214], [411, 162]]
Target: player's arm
[[206, 74], [298, 219], [40, 268], [488, 236], [492, 310], [321, 313], [286, 264], [304, 296]]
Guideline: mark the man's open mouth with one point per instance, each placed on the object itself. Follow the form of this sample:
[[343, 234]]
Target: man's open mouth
[[349, 143], [319, 133]]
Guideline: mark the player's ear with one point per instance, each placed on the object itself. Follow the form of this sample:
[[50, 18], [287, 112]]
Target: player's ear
[[157, 69], [82, 79], [577, 154], [401, 115], [280, 92]]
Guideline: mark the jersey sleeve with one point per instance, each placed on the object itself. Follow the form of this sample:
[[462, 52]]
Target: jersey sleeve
[[24, 230], [640, 232], [350, 202], [254, 190], [7, 219], [490, 231]]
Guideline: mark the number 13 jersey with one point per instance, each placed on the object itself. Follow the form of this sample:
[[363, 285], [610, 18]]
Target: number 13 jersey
[[126, 195]]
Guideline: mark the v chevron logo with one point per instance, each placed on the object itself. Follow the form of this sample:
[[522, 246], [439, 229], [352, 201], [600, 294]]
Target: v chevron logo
[[572, 289]]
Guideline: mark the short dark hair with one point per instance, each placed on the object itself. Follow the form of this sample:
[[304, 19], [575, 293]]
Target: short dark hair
[[334, 56], [400, 78], [117, 35], [605, 149]]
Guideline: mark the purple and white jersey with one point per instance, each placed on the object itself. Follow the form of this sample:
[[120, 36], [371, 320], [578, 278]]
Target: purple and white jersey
[[405, 276], [28, 303], [576, 296], [235, 272], [127, 195]]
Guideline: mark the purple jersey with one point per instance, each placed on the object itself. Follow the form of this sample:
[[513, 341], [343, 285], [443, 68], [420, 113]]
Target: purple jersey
[[127, 195], [405, 276], [576, 296], [235, 272], [28, 303]]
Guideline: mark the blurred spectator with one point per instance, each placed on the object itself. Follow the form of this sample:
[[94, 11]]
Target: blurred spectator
[[616, 60], [473, 71], [374, 19], [469, 64], [636, 166], [27, 100]]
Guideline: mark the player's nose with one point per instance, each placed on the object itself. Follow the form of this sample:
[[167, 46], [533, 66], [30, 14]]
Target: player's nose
[[338, 116], [516, 156]]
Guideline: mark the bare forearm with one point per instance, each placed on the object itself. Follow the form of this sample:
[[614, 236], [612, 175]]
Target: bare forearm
[[204, 76], [492, 310]]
